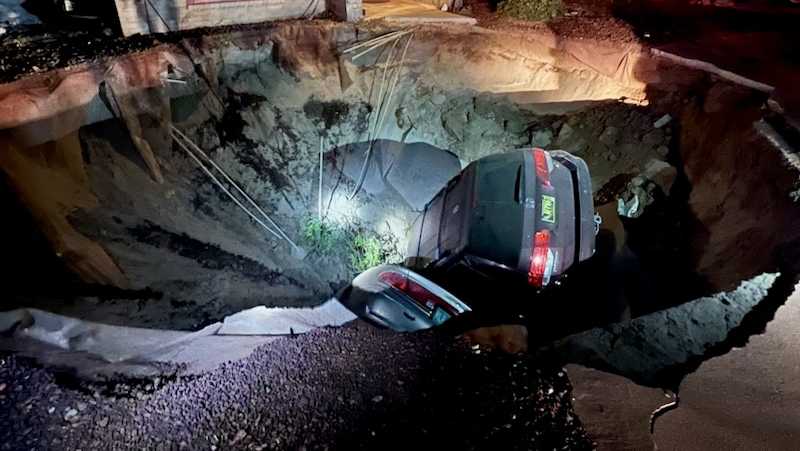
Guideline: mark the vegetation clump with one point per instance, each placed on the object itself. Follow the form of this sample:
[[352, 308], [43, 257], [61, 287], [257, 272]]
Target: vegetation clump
[[322, 235], [363, 249], [532, 10], [366, 252]]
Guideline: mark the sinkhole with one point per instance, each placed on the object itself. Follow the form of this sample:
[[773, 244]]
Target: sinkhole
[[112, 220]]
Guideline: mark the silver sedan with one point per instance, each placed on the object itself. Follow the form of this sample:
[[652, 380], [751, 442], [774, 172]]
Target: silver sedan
[[400, 299]]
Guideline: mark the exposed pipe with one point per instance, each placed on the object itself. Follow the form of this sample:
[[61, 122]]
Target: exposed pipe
[[319, 196], [379, 44], [222, 186], [377, 41], [383, 105], [278, 232]]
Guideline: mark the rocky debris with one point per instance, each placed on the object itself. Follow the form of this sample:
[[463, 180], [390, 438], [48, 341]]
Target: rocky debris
[[625, 153], [638, 195], [71, 415], [646, 188], [472, 126], [352, 388], [542, 138], [610, 136], [571, 141]]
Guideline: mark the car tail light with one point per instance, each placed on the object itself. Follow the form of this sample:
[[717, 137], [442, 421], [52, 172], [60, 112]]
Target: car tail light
[[543, 165], [415, 291], [543, 259]]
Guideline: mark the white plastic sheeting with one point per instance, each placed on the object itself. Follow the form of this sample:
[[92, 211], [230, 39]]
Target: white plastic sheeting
[[282, 321], [96, 350]]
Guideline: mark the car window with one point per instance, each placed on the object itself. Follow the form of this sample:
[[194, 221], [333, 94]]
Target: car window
[[454, 216], [431, 224], [497, 179]]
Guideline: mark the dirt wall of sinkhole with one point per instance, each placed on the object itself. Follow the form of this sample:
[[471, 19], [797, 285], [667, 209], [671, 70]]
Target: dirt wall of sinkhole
[[89, 157]]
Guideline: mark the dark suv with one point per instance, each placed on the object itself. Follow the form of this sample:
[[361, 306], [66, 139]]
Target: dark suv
[[526, 213], [502, 229]]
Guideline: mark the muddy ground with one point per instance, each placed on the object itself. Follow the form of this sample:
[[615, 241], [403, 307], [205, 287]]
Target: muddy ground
[[351, 388]]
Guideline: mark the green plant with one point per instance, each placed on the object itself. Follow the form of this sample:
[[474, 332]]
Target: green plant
[[533, 10], [321, 235], [366, 252], [364, 249]]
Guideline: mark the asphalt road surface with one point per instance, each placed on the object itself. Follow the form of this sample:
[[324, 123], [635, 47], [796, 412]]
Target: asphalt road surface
[[355, 387]]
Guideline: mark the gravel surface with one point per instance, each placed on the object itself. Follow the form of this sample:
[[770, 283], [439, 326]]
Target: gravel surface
[[583, 19], [351, 388]]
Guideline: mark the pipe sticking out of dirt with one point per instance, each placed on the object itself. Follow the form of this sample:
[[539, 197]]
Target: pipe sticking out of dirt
[[277, 232]]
